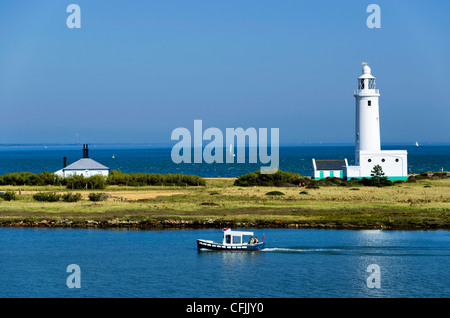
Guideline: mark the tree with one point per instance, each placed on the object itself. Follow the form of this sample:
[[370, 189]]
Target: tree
[[378, 177], [377, 172]]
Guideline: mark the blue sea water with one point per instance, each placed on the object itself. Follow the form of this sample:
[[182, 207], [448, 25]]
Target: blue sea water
[[135, 158], [166, 263]]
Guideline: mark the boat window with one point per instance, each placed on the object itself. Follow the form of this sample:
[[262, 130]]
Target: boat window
[[228, 239], [236, 240]]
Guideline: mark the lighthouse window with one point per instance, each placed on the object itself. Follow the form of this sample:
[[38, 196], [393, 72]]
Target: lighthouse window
[[382, 160], [369, 103], [361, 84], [370, 160], [396, 160], [371, 83]]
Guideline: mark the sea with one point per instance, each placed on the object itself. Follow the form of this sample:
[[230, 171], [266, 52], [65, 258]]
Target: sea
[[144, 158], [295, 263]]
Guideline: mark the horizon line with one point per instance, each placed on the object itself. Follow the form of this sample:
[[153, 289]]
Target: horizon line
[[159, 144]]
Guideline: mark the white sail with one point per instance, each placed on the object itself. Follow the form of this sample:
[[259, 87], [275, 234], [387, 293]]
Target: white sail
[[231, 150]]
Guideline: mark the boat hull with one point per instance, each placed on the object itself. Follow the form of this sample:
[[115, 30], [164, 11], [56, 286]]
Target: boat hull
[[215, 246]]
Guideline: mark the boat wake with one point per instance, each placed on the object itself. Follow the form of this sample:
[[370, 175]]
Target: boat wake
[[301, 250]]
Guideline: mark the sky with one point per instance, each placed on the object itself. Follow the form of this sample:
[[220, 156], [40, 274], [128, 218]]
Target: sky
[[137, 70]]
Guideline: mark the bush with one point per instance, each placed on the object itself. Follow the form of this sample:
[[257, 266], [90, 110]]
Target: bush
[[274, 193], [8, 195], [374, 182], [142, 179], [29, 178], [96, 182], [97, 197], [46, 196], [277, 179], [99, 182], [439, 175], [71, 197]]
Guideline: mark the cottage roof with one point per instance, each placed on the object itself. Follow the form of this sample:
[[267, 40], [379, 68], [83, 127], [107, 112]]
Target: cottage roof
[[86, 164], [330, 164]]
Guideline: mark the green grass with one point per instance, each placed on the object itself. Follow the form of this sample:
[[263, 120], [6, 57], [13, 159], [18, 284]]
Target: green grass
[[405, 205]]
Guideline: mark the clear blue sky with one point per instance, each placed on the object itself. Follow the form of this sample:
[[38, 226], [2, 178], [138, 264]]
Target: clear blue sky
[[136, 70]]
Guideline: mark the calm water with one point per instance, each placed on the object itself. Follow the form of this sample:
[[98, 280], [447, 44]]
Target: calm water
[[295, 263], [158, 160]]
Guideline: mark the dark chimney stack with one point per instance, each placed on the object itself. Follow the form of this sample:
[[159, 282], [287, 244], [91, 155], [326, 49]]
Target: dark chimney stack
[[64, 162], [85, 151]]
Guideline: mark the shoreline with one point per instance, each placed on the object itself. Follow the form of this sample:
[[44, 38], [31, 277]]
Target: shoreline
[[91, 224], [177, 223]]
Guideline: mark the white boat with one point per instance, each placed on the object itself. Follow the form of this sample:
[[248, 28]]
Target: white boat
[[232, 241], [231, 150]]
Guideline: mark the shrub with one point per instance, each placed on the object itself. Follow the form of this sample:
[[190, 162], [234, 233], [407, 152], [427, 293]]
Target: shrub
[[277, 179], [97, 182], [374, 182], [71, 197], [439, 175], [8, 195], [29, 178], [46, 196], [141, 179], [209, 203], [97, 196], [274, 193]]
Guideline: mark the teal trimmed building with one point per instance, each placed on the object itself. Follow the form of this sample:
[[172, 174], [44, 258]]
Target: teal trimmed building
[[322, 169]]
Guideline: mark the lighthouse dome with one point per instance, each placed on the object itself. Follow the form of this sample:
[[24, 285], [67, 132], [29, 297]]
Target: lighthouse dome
[[366, 72]]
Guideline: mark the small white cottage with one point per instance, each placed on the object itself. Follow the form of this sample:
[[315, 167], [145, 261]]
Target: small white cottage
[[85, 167], [322, 169]]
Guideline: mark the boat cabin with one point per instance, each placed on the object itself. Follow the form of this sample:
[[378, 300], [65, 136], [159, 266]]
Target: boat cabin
[[236, 237]]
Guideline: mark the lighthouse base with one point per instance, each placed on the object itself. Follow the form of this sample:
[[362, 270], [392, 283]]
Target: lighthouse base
[[393, 162]]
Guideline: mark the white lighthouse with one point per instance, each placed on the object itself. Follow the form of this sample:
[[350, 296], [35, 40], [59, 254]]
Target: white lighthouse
[[368, 151], [367, 114]]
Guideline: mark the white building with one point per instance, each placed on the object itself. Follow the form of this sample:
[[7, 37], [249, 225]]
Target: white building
[[322, 169], [368, 151], [85, 167]]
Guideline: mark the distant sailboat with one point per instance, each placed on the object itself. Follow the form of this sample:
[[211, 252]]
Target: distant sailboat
[[231, 150], [417, 144]]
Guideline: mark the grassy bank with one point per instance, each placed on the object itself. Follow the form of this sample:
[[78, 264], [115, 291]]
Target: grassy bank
[[420, 205]]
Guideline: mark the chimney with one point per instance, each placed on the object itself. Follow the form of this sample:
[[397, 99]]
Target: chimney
[[85, 151], [64, 162]]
